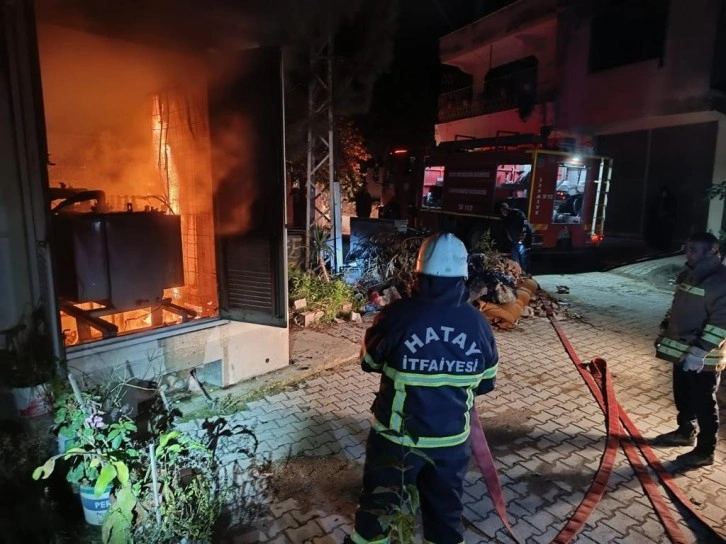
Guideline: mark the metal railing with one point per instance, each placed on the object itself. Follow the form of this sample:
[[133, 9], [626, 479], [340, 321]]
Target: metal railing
[[463, 103]]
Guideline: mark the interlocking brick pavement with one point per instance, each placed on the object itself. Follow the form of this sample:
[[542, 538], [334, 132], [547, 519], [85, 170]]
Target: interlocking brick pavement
[[544, 427]]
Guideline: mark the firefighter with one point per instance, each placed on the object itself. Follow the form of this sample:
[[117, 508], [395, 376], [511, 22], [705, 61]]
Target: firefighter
[[434, 352], [691, 337], [363, 202], [515, 227]]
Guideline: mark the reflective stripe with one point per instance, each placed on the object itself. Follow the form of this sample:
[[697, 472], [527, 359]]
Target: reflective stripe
[[665, 350], [713, 335], [674, 344], [711, 338], [399, 400], [672, 348], [712, 360], [425, 441], [713, 329], [438, 380], [698, 291], [357, 539], [370, 361]]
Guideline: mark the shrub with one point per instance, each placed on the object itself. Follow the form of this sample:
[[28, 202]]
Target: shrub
[[323, 295]]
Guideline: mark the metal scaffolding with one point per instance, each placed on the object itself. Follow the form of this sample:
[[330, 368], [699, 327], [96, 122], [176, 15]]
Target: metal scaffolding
[[321, 152]]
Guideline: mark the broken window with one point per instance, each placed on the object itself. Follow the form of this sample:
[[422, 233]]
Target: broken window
[[132, 225], [624, 32]]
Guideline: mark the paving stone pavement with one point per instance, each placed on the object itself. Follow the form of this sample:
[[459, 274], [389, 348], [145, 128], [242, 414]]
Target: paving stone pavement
[[544, 427]]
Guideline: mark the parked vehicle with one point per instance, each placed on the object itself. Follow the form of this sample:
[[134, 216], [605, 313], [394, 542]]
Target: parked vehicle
[[563, 194]]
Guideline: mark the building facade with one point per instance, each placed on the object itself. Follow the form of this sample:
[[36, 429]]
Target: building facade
[[641, 81]]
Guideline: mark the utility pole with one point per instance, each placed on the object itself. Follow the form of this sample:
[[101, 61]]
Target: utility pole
[[321, 150]]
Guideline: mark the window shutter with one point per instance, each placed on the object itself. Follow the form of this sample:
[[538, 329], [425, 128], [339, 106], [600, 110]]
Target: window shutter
[[246, 128]]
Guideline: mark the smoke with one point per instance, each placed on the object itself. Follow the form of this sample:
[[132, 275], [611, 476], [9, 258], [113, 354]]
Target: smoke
[[236, 174], [98, 98]]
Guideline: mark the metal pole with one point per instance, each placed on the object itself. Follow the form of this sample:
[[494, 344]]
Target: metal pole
[[155, 482], [336, 219], [309, 185]]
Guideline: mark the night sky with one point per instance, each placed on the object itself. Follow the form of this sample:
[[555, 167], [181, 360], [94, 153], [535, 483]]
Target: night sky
[[403, 110]]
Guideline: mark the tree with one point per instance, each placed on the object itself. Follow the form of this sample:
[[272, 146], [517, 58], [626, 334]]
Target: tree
[[363, 47]]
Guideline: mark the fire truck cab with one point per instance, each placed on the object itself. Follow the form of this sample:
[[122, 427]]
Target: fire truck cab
[[563, 194]]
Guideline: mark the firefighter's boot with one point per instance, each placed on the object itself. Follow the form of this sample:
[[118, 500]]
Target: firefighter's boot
[[679, 437], [696, 458]]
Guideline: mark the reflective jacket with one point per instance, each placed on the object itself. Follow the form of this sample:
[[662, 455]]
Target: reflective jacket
[[435, 353], [697, 316]]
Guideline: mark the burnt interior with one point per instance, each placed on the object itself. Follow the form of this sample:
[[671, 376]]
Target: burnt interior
[[131, 187]]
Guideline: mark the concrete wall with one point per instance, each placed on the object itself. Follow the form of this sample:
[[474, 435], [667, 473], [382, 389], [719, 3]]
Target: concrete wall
[[479, 47], [536, 39], [484, 126], [679, 157], [679, 84], [15, 286], [690, 175], [245, 350]]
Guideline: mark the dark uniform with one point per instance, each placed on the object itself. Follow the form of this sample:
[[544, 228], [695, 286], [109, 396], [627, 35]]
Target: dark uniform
[[696, 322], [515, 227], [435, 353]]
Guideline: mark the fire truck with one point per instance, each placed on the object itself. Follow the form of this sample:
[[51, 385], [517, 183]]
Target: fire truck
[[563, 194]]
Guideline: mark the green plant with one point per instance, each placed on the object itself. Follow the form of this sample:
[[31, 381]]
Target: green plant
[[320, 249], [167, 485], [398, 518], [189, 501], [99, 456], [320, 293], [69, 415], [486, 245]]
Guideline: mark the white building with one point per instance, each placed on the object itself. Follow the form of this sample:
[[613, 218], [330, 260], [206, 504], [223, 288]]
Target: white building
[[642, 81]]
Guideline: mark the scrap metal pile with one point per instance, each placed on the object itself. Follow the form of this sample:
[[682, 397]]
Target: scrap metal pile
[[500, 289]]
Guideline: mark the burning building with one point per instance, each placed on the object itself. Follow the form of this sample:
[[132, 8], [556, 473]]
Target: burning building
[[148, 179]]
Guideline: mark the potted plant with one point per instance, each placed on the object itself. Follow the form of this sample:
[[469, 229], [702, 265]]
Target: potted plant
[[99, 459], [28, 365], [69, 416]]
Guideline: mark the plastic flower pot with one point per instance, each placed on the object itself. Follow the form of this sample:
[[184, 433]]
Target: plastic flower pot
[[95, 507], [31, 401], [63, 442]]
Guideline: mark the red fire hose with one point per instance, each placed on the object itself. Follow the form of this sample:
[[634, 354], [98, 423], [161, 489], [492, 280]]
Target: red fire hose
[[620, 432]]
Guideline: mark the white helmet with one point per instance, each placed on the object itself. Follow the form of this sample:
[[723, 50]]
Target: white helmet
[[443, 255]]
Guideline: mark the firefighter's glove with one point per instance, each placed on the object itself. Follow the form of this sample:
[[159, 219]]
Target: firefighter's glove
[[694, 359]]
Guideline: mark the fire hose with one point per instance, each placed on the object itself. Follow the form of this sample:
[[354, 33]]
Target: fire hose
[[621, 432]]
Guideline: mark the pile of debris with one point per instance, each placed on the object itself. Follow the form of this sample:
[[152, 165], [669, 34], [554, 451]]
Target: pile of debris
[[500, 289]]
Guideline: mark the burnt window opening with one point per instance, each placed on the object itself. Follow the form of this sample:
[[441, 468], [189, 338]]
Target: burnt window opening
[[167, 193], [624, 32], [130, 185], [131, 227], [511, 85]]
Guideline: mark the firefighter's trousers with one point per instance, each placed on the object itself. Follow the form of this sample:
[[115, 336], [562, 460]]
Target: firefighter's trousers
[[439, 478], [695, 398]]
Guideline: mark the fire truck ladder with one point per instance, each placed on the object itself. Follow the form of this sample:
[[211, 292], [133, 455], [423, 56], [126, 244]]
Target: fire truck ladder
[[601, 196]]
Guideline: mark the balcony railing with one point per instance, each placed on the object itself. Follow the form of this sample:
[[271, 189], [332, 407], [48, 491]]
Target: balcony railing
[[462, 103]]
